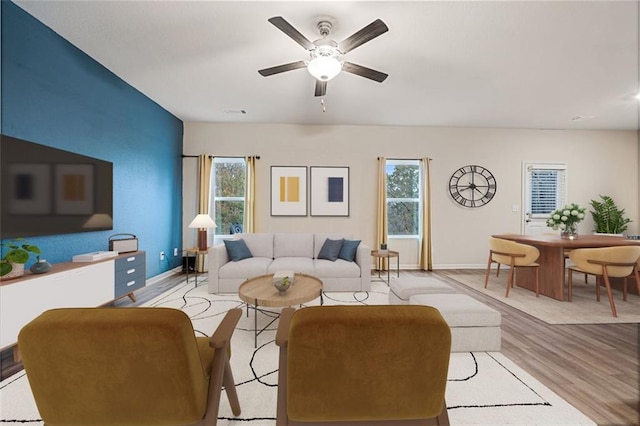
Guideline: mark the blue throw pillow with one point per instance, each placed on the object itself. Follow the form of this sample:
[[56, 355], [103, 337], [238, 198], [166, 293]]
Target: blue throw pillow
[[237, 249], [348, 250], [330, 249]]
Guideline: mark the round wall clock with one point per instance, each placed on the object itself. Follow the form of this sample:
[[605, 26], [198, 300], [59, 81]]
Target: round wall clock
[[472, 186]]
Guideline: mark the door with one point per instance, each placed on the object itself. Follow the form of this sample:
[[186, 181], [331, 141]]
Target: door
[[544, 191]]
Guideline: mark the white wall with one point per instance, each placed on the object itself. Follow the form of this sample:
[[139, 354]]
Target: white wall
[[599, 162]]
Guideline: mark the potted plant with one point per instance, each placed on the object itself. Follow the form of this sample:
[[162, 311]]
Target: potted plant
[[607, 217], [15, 253]]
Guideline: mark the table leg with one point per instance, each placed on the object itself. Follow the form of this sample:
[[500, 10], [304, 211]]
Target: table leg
[[388, 269], [398, 265], [255, 325]]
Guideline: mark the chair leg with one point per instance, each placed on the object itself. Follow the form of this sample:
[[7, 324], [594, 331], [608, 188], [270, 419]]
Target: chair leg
[[498, 271], [570, 284], [230, 389], [510, 280], [598, 282], [608, 286], [624, 289], [537, 281], [486, 277]]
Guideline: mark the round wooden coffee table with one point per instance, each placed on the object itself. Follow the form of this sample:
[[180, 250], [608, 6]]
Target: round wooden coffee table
[[260, 292]]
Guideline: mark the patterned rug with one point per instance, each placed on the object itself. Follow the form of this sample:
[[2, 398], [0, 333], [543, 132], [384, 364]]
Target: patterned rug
[[483, 388]]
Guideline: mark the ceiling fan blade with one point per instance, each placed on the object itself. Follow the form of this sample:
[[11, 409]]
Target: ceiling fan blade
[[289, 30], [364, 72], [282, 68], [366, 34], [321, 88]]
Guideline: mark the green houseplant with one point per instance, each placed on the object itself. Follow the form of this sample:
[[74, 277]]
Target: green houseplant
[[15, 252], [607, 217]]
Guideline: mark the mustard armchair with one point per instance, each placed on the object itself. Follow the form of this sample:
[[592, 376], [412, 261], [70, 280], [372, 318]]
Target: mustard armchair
[[363, 365], [515, 255], [127, 366], [604, 263]]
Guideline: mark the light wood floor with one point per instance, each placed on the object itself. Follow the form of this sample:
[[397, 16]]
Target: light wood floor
[[594, 367]]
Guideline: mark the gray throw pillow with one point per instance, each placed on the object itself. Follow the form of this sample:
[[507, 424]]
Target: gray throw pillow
[[331, 249], [237, 249], [348, 250]]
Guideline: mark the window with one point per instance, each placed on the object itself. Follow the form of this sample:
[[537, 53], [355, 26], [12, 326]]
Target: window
[[546, 189], [403, 198], [228, 190]]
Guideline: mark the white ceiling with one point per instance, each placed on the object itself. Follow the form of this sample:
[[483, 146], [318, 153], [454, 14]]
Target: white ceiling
[[452, 63]]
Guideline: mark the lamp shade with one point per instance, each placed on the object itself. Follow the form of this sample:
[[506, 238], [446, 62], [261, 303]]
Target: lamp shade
[[203, 221], [324, 68]]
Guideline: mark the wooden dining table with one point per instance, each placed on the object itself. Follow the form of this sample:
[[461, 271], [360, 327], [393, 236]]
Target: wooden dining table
[[552, 261]]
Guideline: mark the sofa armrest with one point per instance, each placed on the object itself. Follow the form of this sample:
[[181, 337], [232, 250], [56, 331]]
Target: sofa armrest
[[218, 257], [363, 259]]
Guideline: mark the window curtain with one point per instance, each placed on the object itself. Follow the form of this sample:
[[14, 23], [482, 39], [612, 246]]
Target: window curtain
[[250, 195], [381, 211], [425, 189], [204, 190]]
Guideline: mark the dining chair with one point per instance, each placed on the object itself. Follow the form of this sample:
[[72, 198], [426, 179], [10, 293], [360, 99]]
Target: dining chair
[[127, 366], [515, 255], [371, 365], [605, 263]]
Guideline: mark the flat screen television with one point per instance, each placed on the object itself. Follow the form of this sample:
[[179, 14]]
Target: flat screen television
[[49, 191]]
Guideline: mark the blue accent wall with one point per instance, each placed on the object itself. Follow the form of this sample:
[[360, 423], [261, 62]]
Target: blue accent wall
[[56, 95]]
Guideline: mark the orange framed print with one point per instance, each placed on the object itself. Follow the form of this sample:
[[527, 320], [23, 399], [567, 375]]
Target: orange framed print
[[288, 191]]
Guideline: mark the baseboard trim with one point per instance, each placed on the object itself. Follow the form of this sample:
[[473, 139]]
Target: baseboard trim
[[162, 276]]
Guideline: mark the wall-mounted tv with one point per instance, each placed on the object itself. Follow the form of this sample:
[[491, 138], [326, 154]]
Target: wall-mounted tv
[[48, 191]]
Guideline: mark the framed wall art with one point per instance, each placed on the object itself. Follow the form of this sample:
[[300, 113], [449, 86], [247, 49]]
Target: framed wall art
[[329, 191], [288, 191]]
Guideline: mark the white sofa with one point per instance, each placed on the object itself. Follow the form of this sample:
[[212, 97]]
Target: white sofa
[[296, 252]]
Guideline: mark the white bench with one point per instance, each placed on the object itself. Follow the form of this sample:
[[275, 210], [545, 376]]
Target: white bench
[[475, 327], [401, 289]]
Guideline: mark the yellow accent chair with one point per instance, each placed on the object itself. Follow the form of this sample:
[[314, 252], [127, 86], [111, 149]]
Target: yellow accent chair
[[604, 263], [363, 365], [515, 255], [127, 366]]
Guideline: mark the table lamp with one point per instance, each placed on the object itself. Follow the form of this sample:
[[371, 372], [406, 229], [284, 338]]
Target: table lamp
[[202, 222]]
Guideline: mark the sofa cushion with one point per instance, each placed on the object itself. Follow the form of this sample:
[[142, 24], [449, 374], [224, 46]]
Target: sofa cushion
[[261, 245], [338, 269], [246, 268], [319, 239], [296, 264], [237, 250], [348, 250], [293, 245], [330, 249]]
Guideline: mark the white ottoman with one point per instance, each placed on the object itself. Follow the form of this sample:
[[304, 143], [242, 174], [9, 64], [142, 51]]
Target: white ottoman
[[475, 327], [401, 289]]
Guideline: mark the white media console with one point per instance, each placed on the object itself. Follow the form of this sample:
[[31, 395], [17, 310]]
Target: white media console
[[67, 285]]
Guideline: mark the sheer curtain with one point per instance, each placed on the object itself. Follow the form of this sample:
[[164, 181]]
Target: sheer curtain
[[250, 195], [381, 210], [425, 189]]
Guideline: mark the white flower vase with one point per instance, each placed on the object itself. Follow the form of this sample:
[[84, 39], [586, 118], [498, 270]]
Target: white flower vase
[[570, 232]]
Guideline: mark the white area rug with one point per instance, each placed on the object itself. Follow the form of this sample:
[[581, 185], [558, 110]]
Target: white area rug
[[483, 388], [584, 308]]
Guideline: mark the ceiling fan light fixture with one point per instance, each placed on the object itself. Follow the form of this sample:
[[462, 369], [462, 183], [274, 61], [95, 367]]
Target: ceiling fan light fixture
[[324, 68]]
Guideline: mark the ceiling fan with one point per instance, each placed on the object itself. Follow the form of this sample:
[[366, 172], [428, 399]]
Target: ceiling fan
[[326, 54]]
